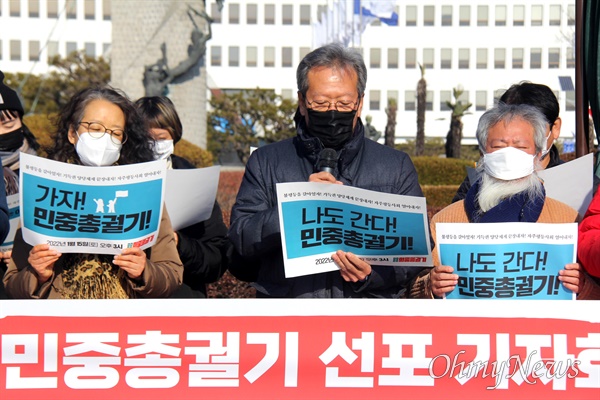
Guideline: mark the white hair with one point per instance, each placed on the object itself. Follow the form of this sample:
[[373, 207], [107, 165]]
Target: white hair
[[492, 190]]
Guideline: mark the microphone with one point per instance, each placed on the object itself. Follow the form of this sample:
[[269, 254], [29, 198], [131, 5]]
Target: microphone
[[327, 160]]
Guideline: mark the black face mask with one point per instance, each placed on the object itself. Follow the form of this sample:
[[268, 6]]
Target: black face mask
[[333, 128], [12, 141]]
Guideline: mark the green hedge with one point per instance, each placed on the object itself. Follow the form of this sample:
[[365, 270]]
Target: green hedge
[[194, 154], [434, 146], [441, 171], [439, 196], [42, 128]]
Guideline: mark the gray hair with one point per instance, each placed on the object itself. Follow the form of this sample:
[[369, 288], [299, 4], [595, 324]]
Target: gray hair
[[333, 55], [507, 113]]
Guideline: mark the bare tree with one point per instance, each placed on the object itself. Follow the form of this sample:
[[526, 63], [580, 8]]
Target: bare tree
[[421, 107], [454, 136], [390, 128]]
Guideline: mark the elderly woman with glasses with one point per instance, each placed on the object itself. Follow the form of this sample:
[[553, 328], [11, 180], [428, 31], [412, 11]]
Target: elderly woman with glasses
[[99, 126]]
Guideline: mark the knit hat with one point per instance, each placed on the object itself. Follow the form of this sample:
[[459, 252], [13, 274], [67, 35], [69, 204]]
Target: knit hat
[[9, 100]]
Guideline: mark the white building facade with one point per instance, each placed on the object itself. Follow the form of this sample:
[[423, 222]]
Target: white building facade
[[34, 31], [482, 45]]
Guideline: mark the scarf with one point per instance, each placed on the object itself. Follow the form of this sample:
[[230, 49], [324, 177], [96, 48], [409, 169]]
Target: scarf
[[11, 159], [10, 167], [517, 208], [93, 276]]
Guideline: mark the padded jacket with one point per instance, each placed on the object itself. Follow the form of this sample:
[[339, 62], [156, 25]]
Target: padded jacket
[[588, 247], [255, 231]]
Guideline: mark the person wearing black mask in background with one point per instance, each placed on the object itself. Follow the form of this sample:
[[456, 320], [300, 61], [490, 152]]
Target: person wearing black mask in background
[[15, 138], [331, 84]]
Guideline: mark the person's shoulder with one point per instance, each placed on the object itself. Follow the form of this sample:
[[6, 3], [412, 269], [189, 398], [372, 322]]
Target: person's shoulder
[[455, 212], [274, 149], [381, 150], [271, 155], [557, 211], [181, 163]]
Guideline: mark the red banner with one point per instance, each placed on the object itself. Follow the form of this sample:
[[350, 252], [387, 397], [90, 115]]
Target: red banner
[[317, 349]]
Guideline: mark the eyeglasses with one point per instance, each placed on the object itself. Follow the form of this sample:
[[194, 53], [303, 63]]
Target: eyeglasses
[[97, 130], [340, 105], [8, 116]]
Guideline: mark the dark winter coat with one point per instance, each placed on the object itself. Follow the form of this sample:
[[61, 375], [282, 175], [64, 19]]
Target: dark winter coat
[[255, 231], [202, 247]]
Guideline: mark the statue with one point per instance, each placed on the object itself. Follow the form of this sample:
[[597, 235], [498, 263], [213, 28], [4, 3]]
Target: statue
[[370, 131], [158, 75]]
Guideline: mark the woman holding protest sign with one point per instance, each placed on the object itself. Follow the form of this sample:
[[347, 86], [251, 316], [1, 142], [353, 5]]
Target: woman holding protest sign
[[98, 127], [203, 246]]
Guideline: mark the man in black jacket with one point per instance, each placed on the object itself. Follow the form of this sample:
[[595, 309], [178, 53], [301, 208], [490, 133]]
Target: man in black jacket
[[331, 83]]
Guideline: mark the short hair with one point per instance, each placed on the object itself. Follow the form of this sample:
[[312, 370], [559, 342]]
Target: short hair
[[507, 113], [159, 112], [333, 55], [534, 94]]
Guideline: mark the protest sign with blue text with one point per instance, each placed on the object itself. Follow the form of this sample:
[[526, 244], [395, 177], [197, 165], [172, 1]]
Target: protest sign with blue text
[[317, 219], [514, 260], [80, 209]]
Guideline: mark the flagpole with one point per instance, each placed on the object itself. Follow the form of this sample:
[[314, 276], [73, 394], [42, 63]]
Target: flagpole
[[361, 22], [329, 21], [352, 23]]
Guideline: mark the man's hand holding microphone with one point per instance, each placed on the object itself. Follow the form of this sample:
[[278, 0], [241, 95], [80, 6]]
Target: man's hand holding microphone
[[325, 166], [352, 268]]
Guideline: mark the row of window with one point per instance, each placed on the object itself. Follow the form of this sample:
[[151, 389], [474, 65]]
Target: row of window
[[500, 18], [519, 14], [53, 11], [410, 99], [464, 59], [481, 58], [34, 49], [480, 103]]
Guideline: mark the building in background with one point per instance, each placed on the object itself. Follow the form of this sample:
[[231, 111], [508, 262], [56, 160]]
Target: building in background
[[482, 45], [34, 31]]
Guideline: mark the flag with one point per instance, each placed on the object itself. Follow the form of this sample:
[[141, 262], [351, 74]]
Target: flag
[[320, 31], [371, 10], [335, 26]]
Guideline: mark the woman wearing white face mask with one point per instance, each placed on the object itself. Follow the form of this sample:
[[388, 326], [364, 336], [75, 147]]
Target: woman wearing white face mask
[[203, 247], [98, 127]]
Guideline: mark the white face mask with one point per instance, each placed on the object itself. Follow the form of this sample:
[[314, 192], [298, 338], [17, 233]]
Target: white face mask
[[163, 149], [97, 152], [508, 164], [546, 147]]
